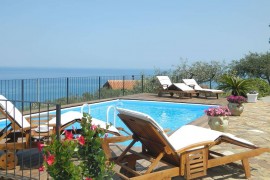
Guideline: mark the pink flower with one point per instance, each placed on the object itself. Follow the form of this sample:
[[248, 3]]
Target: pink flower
[[236, 99], [50, 159], [218, 111], [93, 127], [88, 178], [69, 135], [40, 146], [106, 135], [81, 140], [41, 168]]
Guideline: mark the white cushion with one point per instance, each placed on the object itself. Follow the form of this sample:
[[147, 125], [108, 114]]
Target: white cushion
[[67, 117], [190, 134], [143, 117], [164, 81], [183, 87], [13, 112], [72, 115]]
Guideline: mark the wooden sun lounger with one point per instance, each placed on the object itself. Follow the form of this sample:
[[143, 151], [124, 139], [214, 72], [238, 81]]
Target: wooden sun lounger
[[21, 134], [199, 90], [166, 86], [188, 160]]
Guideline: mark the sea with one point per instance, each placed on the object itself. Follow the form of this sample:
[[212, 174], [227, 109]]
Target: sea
[[48, 84], [10, 73]]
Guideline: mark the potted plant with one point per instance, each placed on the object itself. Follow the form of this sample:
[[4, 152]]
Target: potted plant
[[252, 96], [218, 118], [236, 104]]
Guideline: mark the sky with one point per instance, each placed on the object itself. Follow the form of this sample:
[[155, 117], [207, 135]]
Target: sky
[[138, 34]]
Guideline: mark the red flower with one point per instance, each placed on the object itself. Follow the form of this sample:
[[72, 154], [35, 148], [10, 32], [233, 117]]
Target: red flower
[[41, 168], [93, 127], [88, 178], [69, 135], [50, 159], [81, 140], [40, 146]]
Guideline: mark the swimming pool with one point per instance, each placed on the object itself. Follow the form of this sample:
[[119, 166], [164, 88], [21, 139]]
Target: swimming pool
[[167, 114]]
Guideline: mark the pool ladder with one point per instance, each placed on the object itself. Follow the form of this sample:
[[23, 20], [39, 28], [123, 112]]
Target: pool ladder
[[89, 110], [108, 111], [114, 115]]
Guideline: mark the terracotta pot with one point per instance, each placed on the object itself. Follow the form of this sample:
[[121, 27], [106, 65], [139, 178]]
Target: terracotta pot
[[236, 109], [218, 123]]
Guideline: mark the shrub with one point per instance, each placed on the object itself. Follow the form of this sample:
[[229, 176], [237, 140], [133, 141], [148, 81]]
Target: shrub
[[237, 86], [260, 85], [77, 156]]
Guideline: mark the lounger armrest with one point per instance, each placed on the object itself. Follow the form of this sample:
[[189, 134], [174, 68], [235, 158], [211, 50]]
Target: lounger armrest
[[195, 146]]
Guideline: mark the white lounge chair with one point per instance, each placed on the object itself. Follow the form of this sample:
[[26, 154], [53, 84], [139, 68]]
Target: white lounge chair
[[19, 133], [70, 117], [186, 152], [166, 86], [192, 83]]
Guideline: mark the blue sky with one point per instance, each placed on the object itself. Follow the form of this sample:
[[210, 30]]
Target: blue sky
[[141, 34]]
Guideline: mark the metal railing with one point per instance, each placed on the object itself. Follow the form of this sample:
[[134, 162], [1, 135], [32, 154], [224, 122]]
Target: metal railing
[[20, 134], [75, 89]]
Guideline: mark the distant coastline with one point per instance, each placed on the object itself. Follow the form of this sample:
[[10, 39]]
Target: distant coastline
[[8, 73]]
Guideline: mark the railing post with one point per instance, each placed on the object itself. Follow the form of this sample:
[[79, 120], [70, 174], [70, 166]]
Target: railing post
[[142, 84], [58, 121], [38, 93], [67, 90], [22, 90], [123, 85], [98, 87]]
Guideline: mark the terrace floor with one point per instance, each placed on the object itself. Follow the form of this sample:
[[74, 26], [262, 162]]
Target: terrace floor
[[252, 125]]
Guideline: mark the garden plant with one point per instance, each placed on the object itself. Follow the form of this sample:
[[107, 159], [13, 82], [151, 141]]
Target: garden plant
[[77, 156]]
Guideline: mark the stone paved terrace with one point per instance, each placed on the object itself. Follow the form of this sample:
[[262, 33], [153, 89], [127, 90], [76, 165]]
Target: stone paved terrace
[[252, 125]]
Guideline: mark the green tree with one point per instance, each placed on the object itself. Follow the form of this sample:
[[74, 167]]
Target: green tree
[[199, 70], [181, 71], [207, 71], [253, 65]]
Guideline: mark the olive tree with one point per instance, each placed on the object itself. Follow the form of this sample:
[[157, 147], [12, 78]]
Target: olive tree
[[253, 65], [208, 71]]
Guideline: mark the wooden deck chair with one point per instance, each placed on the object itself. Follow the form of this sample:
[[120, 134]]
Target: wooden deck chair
[[20, 134], [166, 86], [71, 117], [186, 152], [192, 83]]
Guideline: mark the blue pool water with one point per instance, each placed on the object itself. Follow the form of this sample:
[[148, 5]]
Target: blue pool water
[[168, 115]]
